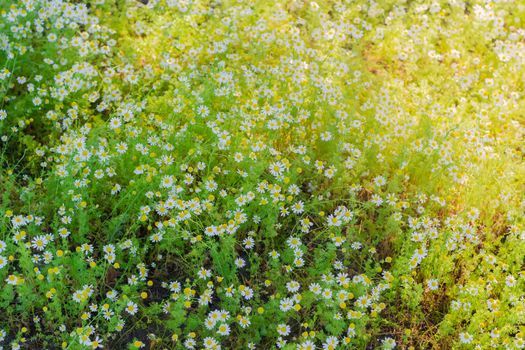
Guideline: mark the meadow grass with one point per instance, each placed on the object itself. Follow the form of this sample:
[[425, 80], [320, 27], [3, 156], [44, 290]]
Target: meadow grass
[[196, 174]]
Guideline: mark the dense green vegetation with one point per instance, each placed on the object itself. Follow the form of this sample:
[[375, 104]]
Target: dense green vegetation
[[234, 174]]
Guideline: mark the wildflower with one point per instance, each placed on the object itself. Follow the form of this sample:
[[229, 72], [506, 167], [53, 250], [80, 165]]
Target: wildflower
[[330, 343], [432, 284], [204, 274], [131, 308], [283, 329], [244, 322], [223, 329], [13, 280], [388, 343], [510, 281], [306, 345], [465, 338], [293, 286]]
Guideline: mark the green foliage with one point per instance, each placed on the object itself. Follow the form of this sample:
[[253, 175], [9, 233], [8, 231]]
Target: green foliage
[[262, 174]]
